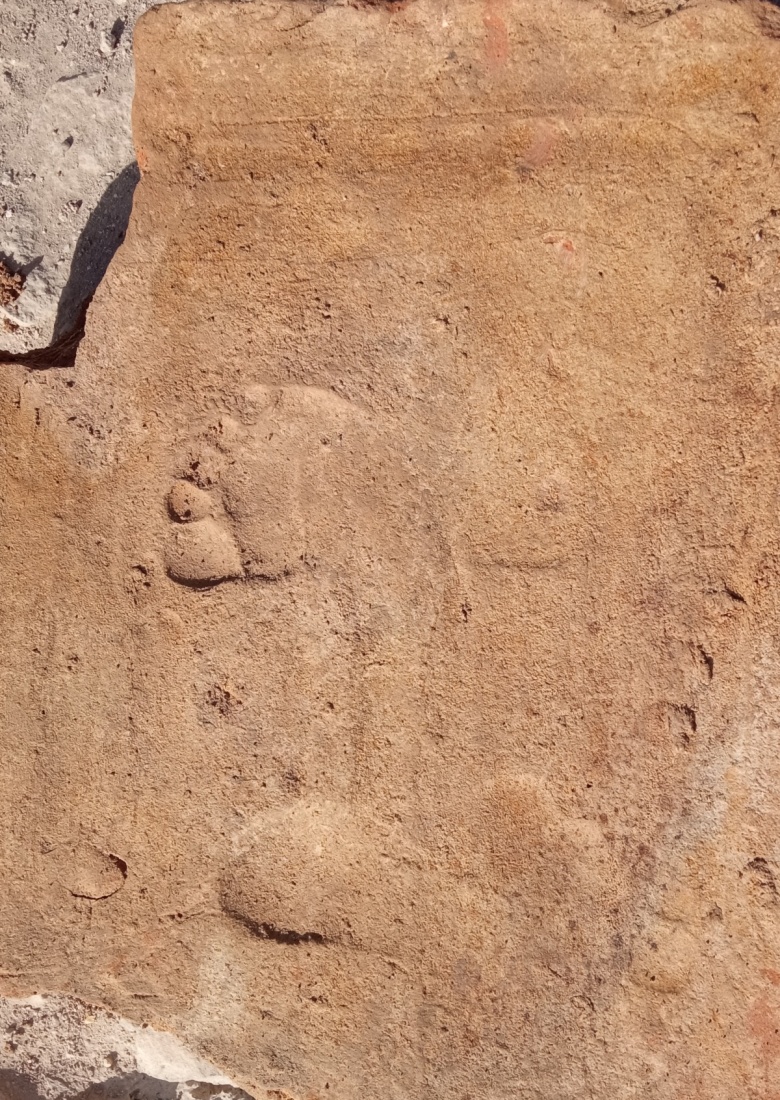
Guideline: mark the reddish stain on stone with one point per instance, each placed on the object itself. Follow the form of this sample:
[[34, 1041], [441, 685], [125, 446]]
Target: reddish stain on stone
[[772, 975], [564, 248], [540, 148], [764, 1026], [497, 39]]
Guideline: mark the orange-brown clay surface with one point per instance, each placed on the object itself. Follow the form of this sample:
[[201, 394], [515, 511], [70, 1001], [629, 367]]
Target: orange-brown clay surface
[[390, 592]]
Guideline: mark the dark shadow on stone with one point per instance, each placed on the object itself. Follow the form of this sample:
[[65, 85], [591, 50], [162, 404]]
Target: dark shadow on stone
[[11, 264], [140, 1086], [17, 1086], [100, 238], [132, 1086], [129, 1086], [62, 353]]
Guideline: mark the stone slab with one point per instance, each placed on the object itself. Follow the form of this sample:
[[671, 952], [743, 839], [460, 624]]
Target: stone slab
[[390, 595]]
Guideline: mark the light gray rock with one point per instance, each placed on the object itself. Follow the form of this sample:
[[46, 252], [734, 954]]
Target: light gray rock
[[57, 1047], [67, 169]]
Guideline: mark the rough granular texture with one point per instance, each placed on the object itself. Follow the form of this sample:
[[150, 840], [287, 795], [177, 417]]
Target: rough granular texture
[[56, 1047], [390, 592], [11, 284]]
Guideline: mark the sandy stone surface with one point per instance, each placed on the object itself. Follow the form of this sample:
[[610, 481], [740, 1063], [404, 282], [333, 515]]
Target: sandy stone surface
[[390, 591]]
